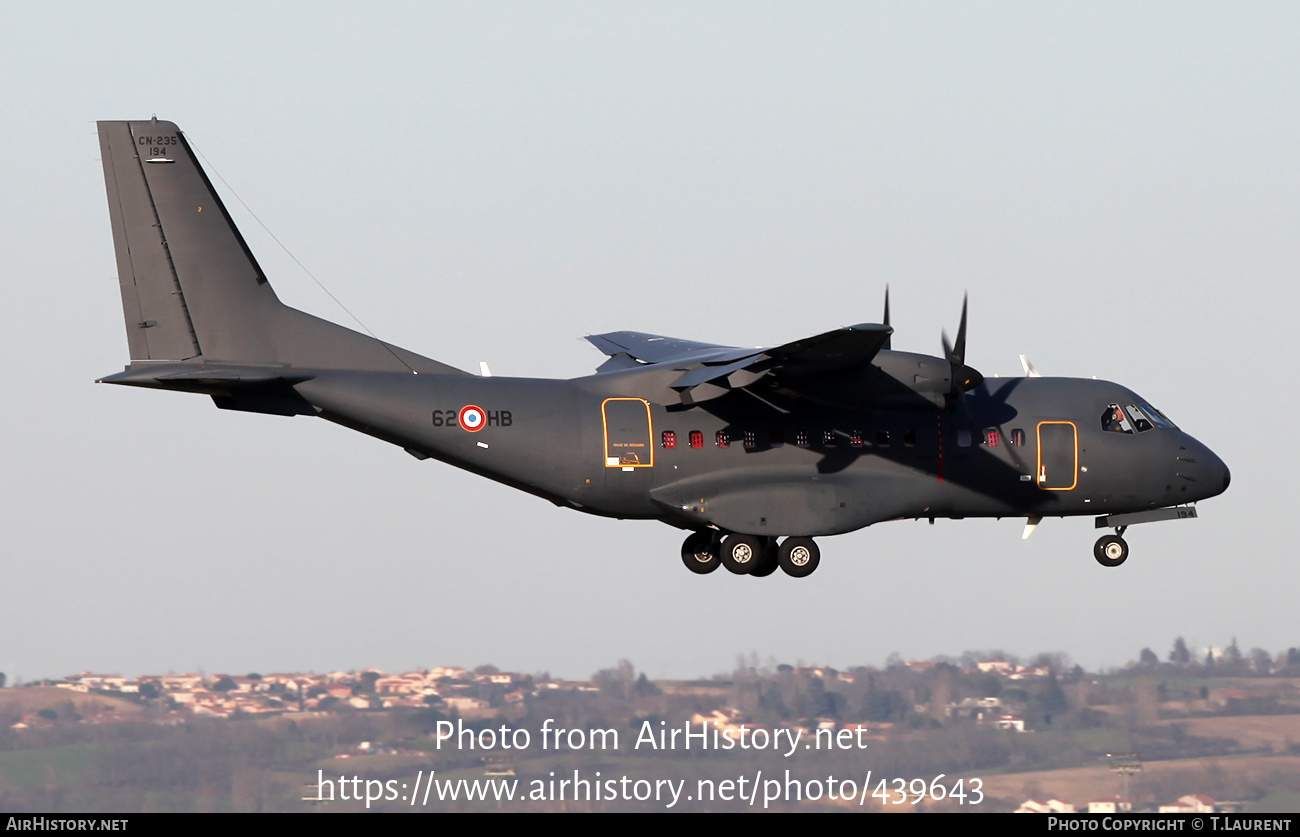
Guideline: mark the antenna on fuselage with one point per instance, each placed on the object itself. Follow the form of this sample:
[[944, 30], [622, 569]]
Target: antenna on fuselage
[[1030, 371]]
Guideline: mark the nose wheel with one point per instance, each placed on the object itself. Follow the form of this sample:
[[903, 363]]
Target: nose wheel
[[1111, 550]]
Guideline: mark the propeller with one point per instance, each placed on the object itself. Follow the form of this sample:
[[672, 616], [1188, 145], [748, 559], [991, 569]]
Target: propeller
[[962, 377], [886, 320]]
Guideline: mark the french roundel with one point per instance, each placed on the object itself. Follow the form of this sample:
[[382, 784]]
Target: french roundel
[[471, 418]]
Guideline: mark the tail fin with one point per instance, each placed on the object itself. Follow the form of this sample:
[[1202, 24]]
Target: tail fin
[[191, 288]]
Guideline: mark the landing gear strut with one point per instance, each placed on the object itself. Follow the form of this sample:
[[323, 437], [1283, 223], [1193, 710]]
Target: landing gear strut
[[1112, 550], [767, 562]]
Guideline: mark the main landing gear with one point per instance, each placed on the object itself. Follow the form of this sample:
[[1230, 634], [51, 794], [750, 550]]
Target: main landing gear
[[704, 552], [700, 552]]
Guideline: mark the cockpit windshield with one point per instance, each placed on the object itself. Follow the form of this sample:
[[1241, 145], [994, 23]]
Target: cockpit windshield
[[1133, 418], [1158, 418]]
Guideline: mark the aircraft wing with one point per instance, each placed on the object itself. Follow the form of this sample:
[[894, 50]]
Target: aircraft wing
[[728, 367], [655, 348], [831, 351]]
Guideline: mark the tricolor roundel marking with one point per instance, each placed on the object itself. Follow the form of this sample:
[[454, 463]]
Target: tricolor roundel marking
[[471, 418]]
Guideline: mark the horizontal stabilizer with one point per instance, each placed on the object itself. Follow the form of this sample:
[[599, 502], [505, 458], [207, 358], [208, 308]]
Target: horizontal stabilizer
[[247, 388], [191, 378]]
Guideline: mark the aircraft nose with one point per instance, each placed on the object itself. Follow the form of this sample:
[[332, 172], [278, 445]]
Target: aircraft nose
[[1205, 467], [1218, 471]]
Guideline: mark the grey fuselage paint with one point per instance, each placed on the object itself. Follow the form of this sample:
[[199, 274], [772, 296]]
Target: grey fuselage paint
[[814, 471]]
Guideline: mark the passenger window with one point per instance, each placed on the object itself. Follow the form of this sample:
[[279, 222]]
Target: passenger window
[[777, 438], [909, 439], [856, 439], [668, 439], [696, 439], [991, 437], [721, 439], [801, 438], [1017, 437], [882, 438], [751, 440], [828, 439], [963, 438]]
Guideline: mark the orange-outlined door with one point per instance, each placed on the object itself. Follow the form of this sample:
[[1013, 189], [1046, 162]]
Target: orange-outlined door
[[628, 433], [1058, 455]]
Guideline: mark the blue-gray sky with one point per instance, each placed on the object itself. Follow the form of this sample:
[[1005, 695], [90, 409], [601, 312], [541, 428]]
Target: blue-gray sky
[[1114, 184]]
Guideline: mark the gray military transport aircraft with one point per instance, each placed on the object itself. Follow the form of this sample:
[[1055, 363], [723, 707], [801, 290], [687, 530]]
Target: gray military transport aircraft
[[755, 452]]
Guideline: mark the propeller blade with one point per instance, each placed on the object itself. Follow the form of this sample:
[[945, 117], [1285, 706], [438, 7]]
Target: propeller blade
[[962, 377], [959, 351], [886, 320]]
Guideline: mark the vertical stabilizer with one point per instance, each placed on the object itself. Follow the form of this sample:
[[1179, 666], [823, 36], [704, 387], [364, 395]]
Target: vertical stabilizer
[[191, 288]]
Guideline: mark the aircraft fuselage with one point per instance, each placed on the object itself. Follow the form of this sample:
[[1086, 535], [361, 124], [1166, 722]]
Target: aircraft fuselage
[[1015, 447]]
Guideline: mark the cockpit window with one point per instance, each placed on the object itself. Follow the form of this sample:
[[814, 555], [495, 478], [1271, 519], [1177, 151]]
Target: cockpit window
[[1133, 418], [1113, 420], [1158, 418], [1141, 422]]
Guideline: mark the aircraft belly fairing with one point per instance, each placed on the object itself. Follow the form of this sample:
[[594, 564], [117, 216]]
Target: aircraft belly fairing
[[784, 503]]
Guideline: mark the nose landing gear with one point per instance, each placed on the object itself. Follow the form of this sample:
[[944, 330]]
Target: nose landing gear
[[1111, 550]]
